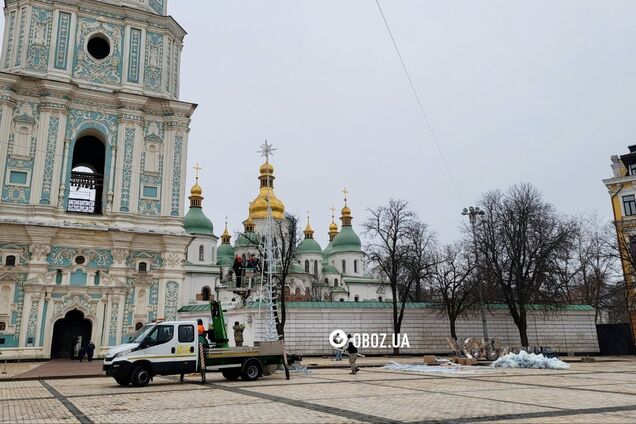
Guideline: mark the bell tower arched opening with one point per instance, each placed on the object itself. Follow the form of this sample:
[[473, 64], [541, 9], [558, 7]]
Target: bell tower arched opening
[[86, 186]]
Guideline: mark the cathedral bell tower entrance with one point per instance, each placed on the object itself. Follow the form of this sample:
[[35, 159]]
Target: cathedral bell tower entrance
[[70, 334]]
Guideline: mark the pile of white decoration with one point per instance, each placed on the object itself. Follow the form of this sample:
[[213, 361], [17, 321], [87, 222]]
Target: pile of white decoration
[[524, 359], [422, 368]]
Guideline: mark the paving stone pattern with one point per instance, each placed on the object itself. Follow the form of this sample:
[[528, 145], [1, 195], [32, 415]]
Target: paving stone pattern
[[587, 393]]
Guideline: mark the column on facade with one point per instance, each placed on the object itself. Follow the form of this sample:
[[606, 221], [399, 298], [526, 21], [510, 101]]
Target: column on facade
[[127, 166], [59, 155], [168, 168], [26, 312], [106, 333], [62, 174], [7, 104]]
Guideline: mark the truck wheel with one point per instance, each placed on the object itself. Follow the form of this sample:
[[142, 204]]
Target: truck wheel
[[140, 376], [231, 374], [252, 370], [123, 381]]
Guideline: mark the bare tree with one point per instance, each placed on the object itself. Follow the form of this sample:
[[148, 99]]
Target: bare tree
[[454, 282], [388, 228], [421, 259], [286, 236], [596, 264], [520, 241]]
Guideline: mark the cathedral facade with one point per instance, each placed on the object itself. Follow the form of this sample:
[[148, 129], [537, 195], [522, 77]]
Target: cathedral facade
[[93, 144], [336, 273]]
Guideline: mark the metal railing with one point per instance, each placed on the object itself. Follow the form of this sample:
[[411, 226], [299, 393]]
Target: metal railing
[[81, 206]]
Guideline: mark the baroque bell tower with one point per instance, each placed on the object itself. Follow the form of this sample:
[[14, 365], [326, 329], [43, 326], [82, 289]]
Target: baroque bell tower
[[93, 145]]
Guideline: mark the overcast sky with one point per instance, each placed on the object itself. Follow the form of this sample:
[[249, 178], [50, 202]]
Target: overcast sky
[[516, 91]]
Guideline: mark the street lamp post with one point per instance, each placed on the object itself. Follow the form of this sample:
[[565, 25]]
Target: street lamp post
[[473, 213]]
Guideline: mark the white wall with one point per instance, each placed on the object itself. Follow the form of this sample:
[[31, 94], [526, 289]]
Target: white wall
[[307, 330]]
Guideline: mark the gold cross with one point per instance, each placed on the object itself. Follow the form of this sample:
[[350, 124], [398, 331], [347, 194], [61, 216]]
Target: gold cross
[[307, 217], [197, 168], [333, 213], [345, 192]]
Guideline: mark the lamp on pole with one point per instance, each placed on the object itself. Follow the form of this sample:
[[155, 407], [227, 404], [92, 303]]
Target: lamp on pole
[[473, 213]]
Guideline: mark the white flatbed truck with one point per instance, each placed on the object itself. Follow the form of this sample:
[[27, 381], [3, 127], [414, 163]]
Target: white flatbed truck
[[174, 348]]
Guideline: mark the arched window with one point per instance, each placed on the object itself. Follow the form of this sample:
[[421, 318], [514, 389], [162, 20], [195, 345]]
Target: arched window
[[356, 298], [206, 293], [335, 282], [379, 298], [10, 261], [97, 278], [3, 326], [307, 266], [86, 186], [138, 326], [316, 268], [58, 277], [201, 253], [344, 266], [355, 266], [143, 267], [326, 281]]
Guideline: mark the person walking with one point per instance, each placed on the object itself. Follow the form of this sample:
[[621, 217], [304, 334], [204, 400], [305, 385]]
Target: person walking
[[90, 351], [238, 333], [353, 355]]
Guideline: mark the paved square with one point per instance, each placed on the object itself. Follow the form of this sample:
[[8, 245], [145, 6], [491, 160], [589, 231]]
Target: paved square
[[598, 392]]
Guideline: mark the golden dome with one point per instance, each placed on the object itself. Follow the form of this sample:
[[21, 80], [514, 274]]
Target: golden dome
[[266, 168], [258, 208], [196, 190], [346, 211], [333, 227]]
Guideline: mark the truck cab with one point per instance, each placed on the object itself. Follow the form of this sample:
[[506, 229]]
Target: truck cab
[[162, 348]]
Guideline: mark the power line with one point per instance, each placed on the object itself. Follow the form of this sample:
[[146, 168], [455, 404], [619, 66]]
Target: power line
[[419, 102]]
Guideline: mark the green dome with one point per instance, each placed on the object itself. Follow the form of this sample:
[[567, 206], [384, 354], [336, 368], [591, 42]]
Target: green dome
[[329, 269], [225, 255], [195, 222], [309, 245], [346, 241], [246, 240]]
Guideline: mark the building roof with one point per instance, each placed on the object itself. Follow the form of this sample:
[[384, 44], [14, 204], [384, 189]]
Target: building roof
[[346, 241], [329, 269], [225, 254], [195, 222], [309, 245], [366, 279]]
